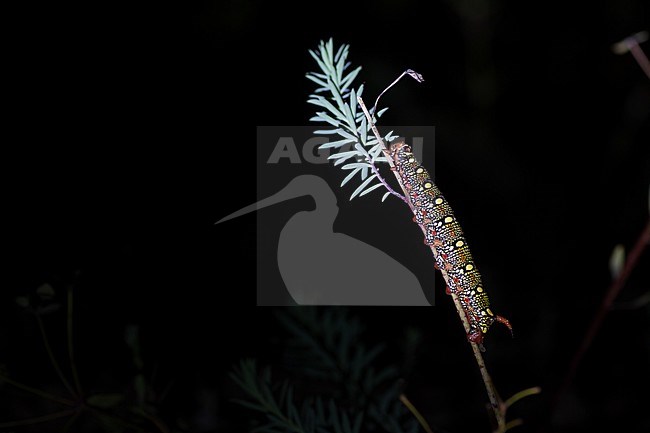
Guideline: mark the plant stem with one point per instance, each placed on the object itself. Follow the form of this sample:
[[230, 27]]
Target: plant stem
[[610, 296], [423, 422], [495, 401], [640, 58], [37, 392], [50, 354], [513, 423], [384, 150], [38, 419], [383, 181], [631, 45], [522, 394], [73, 365]]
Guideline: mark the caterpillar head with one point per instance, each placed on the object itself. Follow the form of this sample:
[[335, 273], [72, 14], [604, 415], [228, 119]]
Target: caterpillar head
[[395, 147]]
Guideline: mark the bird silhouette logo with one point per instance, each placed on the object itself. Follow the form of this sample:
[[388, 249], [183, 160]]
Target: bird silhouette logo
[[322, 267]]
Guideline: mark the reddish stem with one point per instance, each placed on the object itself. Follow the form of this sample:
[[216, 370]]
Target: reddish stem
[[610, 296], [640, 58]]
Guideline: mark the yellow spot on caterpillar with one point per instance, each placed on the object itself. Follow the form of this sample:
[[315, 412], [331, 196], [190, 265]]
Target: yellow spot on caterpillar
[[479, 289], [460, 243], [427, 185], [448, 219], [469, 267], [438, 200], [489, 312], [484, 329], [419, 170], [411, 159]]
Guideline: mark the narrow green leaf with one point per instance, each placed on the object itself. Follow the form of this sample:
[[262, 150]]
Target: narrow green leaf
[[371, 354], [343, 349], [362, 151], [334, 418], [362, 186], [339, 100], [371, 189], [320, 409], [355, 165], [385, 374], [342, 132], [385, 196], [335, 144], [349, 78], [359, 93], [617, 261], [325, 58], [105, 401], [347, 426], [346, 155], [322, 66], [358, 420], [375, 151], [329, 119], [372, 142], [361, 130], [350, 176], [140, 386], [342, 49], [349, 117], [235, 377], [342, 160], [330, 51], [318, 81], [364, 172], [319, 75], [353, 104], [323, 102], [283, 392], [292, 410], [339, 70], [522, 394], [248, 404]]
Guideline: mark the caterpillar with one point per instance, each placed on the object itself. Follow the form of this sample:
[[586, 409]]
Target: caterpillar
[[442, 231]]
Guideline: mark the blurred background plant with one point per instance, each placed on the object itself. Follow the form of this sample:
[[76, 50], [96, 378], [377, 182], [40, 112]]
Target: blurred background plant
[[124, 405], [344, 386], [341, 385]]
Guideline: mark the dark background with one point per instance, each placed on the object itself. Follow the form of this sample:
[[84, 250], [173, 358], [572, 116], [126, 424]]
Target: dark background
[[131, 129]]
